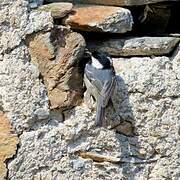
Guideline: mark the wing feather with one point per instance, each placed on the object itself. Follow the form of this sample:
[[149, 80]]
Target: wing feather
[[106, 92]]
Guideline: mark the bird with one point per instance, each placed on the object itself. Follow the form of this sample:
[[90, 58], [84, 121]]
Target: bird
[[100, 80]]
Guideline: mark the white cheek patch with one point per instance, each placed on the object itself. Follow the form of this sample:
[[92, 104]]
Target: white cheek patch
[[96, 63]]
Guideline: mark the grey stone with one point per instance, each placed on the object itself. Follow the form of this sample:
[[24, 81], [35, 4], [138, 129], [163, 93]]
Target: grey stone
[[58, 10], [21, 89], [35, 3], [154, 77], [147, 96], [42, 113], [24, 23], [51, 151], [135, 46]]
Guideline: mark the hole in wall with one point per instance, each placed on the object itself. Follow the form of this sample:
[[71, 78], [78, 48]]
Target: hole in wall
[[156, 19]]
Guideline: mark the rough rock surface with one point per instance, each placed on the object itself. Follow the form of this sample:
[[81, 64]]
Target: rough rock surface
[[35, 3], [58, 10], [8, 143], [154, 19], [100, 19], [114, 2], [19, 25], [147, 95], [145, 114], [57, 55], [135, 46], [23, 94]]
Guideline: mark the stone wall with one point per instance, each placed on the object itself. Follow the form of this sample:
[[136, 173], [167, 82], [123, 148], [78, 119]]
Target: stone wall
[[47, 127]]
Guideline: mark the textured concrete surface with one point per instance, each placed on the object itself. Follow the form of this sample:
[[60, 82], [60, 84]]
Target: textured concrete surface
[[150, 104], [22, 91]]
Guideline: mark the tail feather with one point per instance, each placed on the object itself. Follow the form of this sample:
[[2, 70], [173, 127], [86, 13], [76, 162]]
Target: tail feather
[[100, 113]]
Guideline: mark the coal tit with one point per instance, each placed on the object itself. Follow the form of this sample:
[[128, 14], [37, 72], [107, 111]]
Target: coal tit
[[99, 79]]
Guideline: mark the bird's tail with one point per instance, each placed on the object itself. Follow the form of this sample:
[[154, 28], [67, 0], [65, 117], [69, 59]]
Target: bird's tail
[[100, 113]]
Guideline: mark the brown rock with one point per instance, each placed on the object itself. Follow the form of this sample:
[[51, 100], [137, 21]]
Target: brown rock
[[125, 128], [58, 10], [114, 2], [100, 19], [57, 54], [8, 143]]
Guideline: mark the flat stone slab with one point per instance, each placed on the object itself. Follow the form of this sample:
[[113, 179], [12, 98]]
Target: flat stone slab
[[135, 46], [100, 19], [58, 10], [114, 2]]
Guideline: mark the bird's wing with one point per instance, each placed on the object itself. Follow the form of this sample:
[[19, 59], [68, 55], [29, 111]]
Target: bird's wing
[[107, 91], [94, 80], [103, 100]]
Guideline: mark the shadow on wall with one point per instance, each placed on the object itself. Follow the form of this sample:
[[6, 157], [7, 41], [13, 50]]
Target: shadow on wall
[[122, 120], [119, 114], [119, 118]]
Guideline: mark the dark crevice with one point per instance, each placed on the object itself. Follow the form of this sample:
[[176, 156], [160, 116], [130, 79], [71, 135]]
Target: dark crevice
[[155, 24], [41, 78], [156, 19], [115, 160], [155, 97], [63, 116], [163, 97], [173, 50]]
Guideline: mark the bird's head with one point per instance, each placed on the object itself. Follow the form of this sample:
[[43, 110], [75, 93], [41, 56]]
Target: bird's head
[[100, 60], [97, 59]]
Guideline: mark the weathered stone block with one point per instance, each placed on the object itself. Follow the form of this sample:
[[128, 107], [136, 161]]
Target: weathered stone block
[[58, 10], [135, 46], [57, 55], [100, 19]]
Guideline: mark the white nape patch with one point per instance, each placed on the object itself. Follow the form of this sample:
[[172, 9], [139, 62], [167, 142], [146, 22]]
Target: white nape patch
[[111, 61], [96, 63]]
